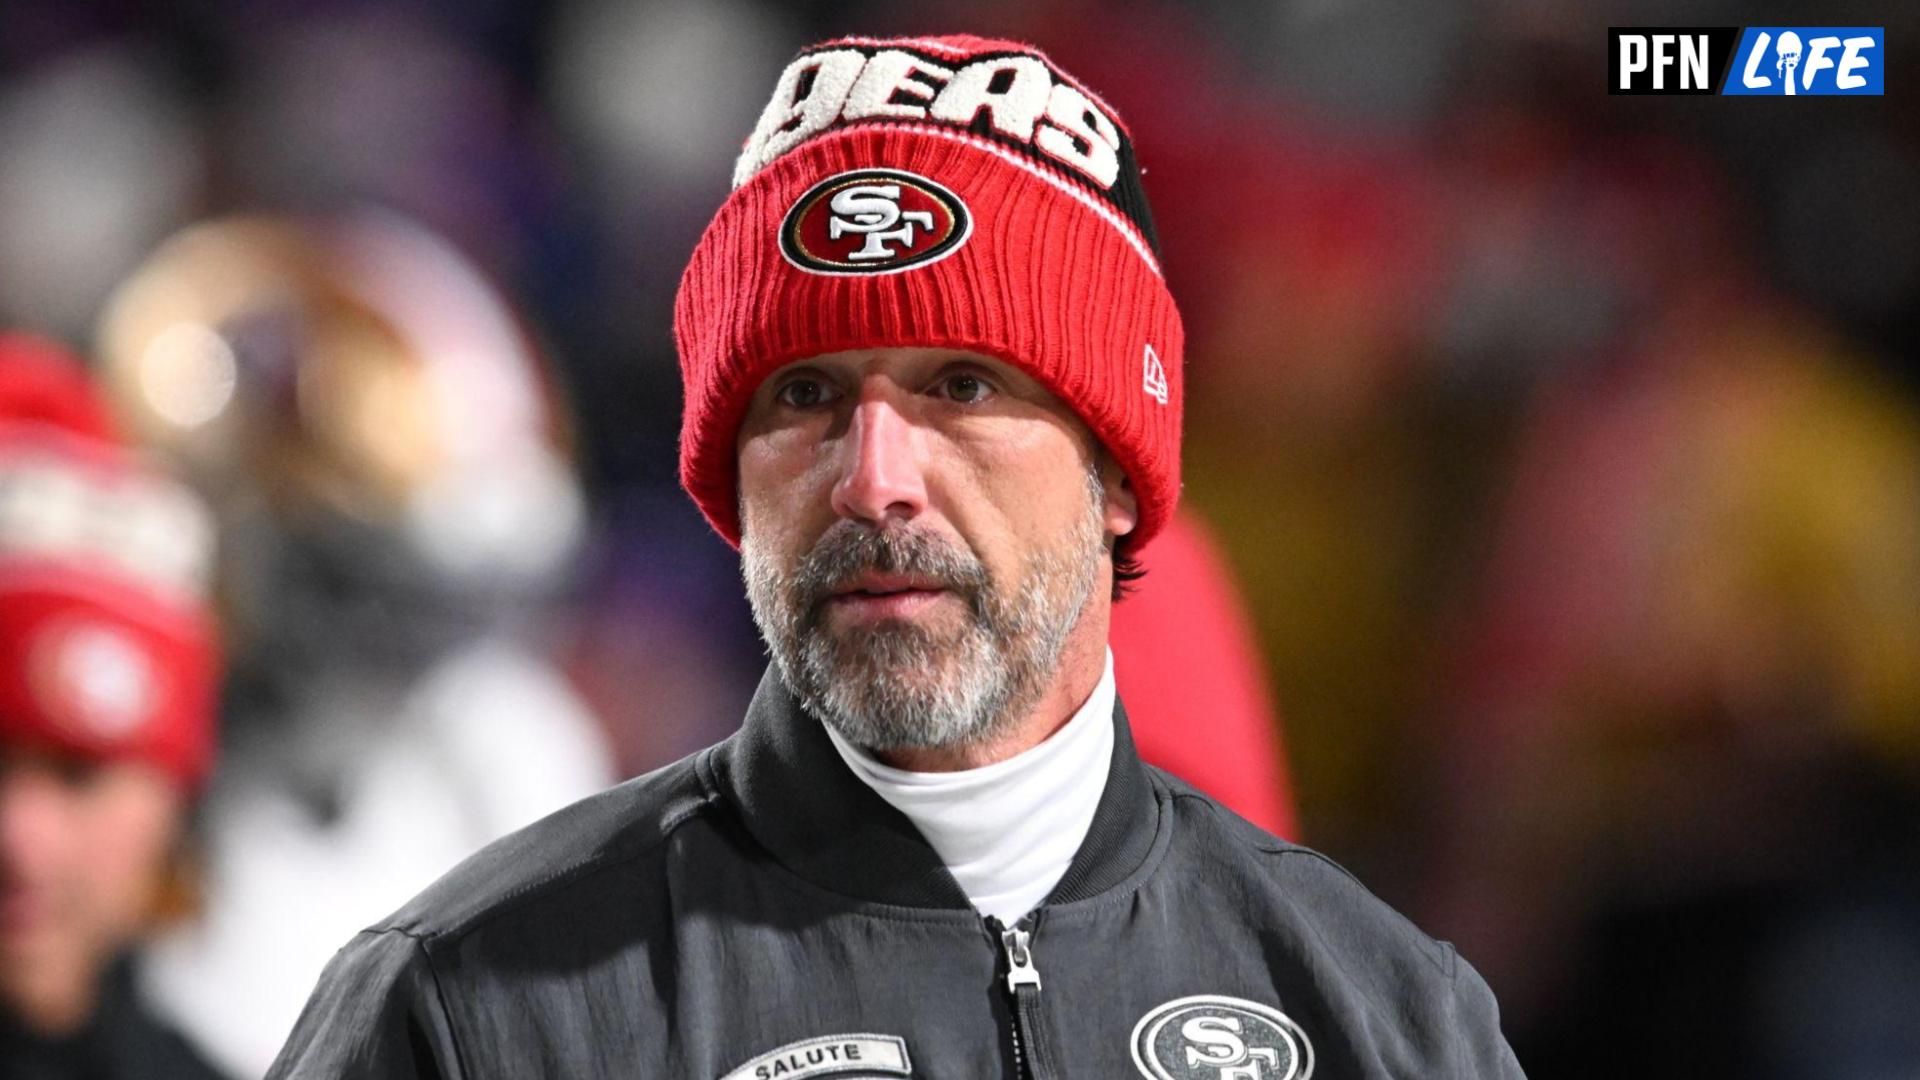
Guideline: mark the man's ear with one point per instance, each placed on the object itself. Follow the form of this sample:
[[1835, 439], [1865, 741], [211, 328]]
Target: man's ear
[[1122, 513]]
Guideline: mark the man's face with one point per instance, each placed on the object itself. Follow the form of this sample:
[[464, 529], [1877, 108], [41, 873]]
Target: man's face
[[83, 848], [922, 530]]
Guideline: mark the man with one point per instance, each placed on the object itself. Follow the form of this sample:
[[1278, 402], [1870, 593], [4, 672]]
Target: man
[[933, 393], [108, 669]]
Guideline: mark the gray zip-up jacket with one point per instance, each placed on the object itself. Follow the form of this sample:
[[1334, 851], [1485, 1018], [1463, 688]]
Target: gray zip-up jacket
[[755, 912]]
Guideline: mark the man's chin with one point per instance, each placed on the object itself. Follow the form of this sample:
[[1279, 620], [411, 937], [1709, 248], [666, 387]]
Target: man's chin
[[892, 679], [885, 726], [907, 644], [898, 703]]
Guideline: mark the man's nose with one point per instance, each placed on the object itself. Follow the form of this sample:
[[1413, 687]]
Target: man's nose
[[882, 474]]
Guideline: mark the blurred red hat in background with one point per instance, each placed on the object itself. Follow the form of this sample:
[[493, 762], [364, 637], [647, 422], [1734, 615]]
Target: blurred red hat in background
[[108, 649]]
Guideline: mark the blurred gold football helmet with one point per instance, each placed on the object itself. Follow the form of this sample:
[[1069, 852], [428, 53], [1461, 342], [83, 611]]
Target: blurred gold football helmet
[[371, 422]]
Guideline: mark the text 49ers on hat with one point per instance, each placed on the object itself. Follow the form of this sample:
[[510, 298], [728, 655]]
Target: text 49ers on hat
[[107, 647], [946, 192]]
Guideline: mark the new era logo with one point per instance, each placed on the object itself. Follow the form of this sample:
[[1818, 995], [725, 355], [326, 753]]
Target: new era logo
[[1153, 376]]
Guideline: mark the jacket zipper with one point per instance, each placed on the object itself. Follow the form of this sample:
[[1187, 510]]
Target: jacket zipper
[[1023, 993]]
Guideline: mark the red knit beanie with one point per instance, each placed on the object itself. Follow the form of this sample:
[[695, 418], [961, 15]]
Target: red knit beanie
[[107, 647], [949, 192]]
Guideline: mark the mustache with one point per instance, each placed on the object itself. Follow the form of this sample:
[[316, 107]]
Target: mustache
[[849, 549]]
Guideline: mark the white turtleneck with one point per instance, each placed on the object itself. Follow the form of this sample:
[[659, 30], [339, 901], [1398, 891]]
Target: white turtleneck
[[1007, 830]]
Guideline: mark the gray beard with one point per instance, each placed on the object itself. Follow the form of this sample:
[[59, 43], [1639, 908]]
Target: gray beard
[[895, 685]]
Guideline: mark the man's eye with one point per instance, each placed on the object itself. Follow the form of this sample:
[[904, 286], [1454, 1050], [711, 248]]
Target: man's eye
[[966, 388], [805, 393]]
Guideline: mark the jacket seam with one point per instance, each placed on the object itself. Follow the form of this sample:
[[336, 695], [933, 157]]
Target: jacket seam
[[563, 876], [1453, 1012], [1440, 954], [446, 1014]]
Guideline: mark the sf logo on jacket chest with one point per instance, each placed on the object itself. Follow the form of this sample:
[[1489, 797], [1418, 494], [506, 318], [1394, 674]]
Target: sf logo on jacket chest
[[1212, 1037]]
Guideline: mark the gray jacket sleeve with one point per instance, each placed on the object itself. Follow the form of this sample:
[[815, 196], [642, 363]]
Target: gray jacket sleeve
[[376, 1013], [1481, 1049]]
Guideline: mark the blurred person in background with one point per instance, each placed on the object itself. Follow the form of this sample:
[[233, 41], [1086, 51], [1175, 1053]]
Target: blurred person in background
[[391, 475], [1683, 765], [109, 673], [1186, 663]]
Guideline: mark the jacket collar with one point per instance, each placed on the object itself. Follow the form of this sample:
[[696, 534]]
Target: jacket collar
[[799, 800]]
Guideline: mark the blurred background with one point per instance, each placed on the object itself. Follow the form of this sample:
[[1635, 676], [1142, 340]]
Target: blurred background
[[1565, 448]]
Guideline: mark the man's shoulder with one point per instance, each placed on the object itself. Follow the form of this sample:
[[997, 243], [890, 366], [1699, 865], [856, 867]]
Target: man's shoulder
[[1368, 959], [621, 826], [1310, 887]]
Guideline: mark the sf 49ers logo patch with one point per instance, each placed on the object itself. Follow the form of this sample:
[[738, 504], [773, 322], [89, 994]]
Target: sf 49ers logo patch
[[1212, 1037], [873, 221]]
